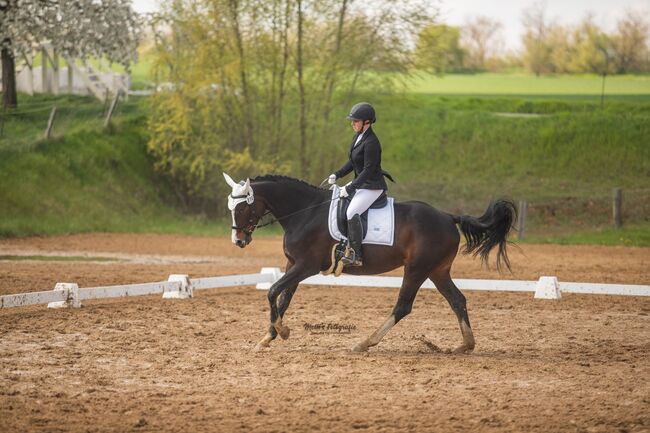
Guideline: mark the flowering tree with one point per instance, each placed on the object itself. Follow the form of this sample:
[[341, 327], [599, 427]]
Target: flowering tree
[[74, 28]]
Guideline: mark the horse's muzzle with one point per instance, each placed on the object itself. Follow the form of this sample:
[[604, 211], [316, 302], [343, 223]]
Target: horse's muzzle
[[241, 243]]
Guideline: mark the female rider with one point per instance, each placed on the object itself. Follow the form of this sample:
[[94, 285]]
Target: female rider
[[368, 183]]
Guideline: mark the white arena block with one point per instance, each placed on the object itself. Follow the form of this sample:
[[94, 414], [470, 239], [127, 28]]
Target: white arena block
[[184, 291], [547, 288], [275, 274], [72, 299]]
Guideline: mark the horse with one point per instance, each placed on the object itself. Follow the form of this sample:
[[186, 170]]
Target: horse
[[426, 241]]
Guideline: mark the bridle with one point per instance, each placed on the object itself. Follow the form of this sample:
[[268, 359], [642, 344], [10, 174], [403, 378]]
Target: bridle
[[249, 199]]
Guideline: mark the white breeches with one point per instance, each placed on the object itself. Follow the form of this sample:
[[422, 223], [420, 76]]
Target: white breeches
[[362, 200]]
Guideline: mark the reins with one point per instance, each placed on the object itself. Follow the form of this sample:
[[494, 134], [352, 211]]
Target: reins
[[291, 214], [251, 227]]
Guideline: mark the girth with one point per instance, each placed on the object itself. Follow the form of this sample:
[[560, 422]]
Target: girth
[[341, 217]]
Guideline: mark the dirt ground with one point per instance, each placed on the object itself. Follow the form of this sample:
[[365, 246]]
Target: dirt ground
[[580, 364]]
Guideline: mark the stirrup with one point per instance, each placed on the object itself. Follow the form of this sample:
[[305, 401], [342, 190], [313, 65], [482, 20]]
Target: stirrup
[[351, 258]]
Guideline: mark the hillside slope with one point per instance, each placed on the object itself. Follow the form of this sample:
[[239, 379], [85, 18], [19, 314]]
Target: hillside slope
[[562, 156], [86, 178]]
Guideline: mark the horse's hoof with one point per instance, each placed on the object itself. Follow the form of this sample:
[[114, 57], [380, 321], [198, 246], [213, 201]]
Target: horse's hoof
[[284, 332], [462, 349], [260, 346], [359, 347]]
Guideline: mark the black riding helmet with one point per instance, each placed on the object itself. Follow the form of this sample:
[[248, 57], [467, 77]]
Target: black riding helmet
[[362, 111]]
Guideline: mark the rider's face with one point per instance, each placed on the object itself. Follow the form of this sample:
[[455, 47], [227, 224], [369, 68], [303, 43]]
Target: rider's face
[[357, 125]]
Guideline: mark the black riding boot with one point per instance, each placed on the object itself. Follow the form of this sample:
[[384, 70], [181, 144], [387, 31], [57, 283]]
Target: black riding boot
[[355, 236]]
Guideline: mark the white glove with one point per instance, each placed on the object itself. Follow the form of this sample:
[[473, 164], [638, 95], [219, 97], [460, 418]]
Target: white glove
[[332, 179], [343, 192]]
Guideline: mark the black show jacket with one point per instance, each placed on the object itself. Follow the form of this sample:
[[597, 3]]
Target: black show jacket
[[365, 160]]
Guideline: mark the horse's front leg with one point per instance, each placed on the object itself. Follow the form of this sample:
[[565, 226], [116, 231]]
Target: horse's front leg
[[287, 285]]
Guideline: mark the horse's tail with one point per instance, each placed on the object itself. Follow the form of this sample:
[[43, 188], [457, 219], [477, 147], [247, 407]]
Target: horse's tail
[[488, 231]]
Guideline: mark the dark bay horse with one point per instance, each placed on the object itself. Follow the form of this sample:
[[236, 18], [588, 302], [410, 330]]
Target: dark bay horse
[[426, 243]]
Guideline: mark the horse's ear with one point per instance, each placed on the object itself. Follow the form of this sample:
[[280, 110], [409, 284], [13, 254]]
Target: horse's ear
[[247, 185], [229, 180]]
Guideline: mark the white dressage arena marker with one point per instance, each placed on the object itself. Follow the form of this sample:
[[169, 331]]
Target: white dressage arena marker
[[67, 295], [547, 288], [275, 274], [72, 294], [184, 291]]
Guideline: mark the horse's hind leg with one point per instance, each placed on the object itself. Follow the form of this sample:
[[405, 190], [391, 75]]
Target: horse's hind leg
[[411, 282], [457, 301]]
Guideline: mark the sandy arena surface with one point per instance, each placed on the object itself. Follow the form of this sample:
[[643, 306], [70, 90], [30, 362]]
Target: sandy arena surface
[[146, 364]]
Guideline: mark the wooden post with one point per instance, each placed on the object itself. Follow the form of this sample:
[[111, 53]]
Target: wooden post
[[29, 59], [50, 123], [70, 78], [618, 201], [111, 109], [45, 88], [107, 103], [55, 72], [521, 219]]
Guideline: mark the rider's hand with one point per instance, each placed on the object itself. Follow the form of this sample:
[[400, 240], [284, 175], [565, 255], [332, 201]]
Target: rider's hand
[[332, 179], [343, 192]]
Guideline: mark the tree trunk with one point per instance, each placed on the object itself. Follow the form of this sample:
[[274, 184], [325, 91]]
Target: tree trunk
[[247, 112], [9, 98], [303, 119], [331, 73], [282, 77]]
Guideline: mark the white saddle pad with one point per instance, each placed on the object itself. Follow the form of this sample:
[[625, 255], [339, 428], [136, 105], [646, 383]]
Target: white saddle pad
[[381, 222]]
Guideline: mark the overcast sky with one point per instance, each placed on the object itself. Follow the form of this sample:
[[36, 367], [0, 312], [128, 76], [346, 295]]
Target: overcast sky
[[509, 12]]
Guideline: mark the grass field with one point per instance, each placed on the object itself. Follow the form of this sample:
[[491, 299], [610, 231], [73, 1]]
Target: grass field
[[626, 87], [455, 142]]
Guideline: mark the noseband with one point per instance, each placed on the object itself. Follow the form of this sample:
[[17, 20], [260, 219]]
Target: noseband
[[249, 199]]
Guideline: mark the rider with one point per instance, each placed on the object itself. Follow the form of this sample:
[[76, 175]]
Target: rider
[[368, 183]]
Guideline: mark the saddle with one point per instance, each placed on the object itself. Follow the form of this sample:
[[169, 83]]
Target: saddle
[[339, 249], [344, 203]]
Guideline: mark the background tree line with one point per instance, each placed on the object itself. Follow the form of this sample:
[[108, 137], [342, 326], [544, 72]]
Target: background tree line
[[257, 87], [547, 47]]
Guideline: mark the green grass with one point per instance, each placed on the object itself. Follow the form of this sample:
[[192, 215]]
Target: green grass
[[622, 87], [87, 179], [445, 149], [455, 153], [635, 235], [451, 150]]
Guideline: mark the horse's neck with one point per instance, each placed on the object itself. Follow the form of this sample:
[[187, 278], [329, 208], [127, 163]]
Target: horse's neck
[[284, 199]]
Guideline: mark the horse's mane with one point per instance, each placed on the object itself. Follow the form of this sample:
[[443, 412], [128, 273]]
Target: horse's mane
[[284, 179]]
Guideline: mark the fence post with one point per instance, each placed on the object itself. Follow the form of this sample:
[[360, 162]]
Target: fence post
[[50, 123], [521, 218], [111, 109], [55, 72], [70, 77], [45, 87], [616, 207], [29, 59]]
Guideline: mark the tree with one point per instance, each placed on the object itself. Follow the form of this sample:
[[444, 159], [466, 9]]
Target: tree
[[630, 42], [438, 49], [537, 52], [253, 85], [562, 50], [481, 39], [74, 28], [593, 49]]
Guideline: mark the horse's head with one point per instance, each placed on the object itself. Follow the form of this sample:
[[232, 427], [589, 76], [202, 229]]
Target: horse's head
[[246, 212]]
